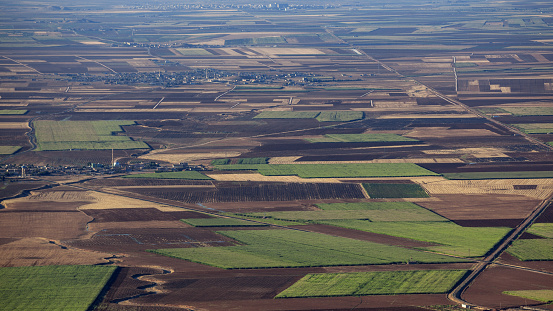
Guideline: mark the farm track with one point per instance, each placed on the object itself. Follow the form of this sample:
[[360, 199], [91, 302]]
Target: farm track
[[456, 294]]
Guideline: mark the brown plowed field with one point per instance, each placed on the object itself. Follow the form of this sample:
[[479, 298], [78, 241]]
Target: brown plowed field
[[138, 239], [480, 207], [547, 215], [138, 214], [488, 287], [52, 225], [296, 304]]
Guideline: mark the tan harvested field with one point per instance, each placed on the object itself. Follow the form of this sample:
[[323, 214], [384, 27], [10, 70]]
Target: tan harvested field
[[43, 252], [544, 187], [109, 201], [426, 116], [14, 125]]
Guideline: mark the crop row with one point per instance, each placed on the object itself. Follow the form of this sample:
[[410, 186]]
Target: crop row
[[261, 192]]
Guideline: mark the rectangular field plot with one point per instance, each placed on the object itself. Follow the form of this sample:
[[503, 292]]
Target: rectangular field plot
[[360, 138], [538, 249], [389, 211], [380, 191], [9, 149], [321, 116], [13, 111], [543, 295], [542, 229], [92, 135], [52, 287], [499, 175], [193, 175], [339, 116], [535, 128], [374, 283], [336, 170], [452, 238], [220, 222], [287, 115], [530, 111], [290, 248], [255, 192]]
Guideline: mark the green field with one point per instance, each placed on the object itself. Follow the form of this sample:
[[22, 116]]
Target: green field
[[321, 116], [261, 160], [91, 135], [535, 128], [451, 238], [360, 138], [194, 175], [335, 170], [380, 191], [374, 283], [543, 295], [13, 111], [530, 111], [339, 116], [542, 229], [9, 149], [535, 249], [52, 287], [373, 211], [220, 222], [500, 175], [291, 248], [220, 162]]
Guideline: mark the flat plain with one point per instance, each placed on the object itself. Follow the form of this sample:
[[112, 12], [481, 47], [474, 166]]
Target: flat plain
[[217, 156]]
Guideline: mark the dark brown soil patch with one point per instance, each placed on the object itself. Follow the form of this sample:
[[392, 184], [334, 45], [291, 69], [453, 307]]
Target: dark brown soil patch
[[511, 223], [228, 288], [481, 206], [488, 287], [546, 216], [132, 239], [138, 214]]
